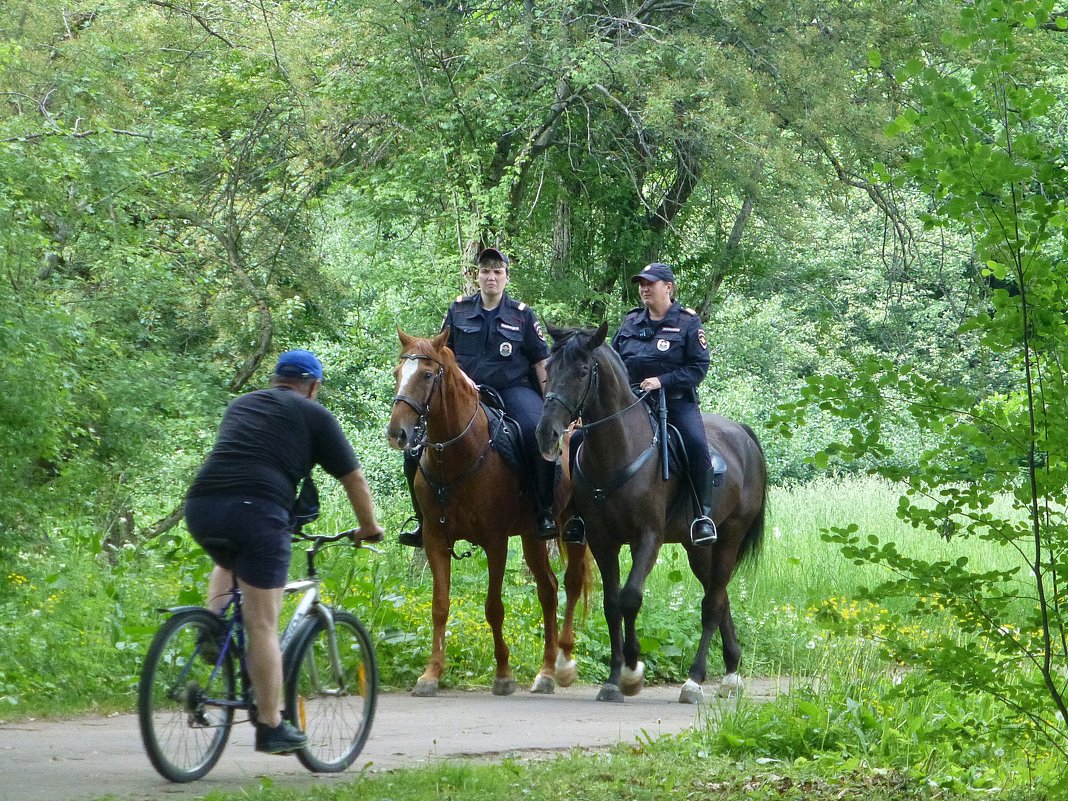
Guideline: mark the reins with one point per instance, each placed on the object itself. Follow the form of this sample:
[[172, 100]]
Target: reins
[[441, 489], [621, 477]]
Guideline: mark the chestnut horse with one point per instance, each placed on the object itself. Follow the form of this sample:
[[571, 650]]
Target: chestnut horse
[[619, 491], [468, 491]]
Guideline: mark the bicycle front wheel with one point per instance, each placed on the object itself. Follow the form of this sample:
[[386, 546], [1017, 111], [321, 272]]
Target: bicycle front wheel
[[333, 704], [185, 699]]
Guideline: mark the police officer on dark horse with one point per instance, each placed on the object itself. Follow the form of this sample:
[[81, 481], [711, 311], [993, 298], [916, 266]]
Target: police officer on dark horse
[[663, 346], [499, 344]]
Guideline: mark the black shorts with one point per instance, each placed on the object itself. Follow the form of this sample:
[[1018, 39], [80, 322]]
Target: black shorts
[[251, 536]]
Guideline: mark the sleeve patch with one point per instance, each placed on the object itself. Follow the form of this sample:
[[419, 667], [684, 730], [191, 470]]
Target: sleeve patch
[[702, 339]]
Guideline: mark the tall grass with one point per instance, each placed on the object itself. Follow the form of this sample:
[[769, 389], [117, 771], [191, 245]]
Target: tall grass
[[111, 599]]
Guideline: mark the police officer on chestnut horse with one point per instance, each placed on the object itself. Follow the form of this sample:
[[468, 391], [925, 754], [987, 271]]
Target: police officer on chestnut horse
[[499, 344]]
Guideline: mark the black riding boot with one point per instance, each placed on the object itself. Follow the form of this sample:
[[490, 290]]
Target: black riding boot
[[413, 538], [545, 486], [703, 528]]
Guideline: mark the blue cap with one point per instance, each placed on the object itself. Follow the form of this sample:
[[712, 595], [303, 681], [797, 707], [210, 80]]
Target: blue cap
[[655, 272], [492, 253], [299, 364]]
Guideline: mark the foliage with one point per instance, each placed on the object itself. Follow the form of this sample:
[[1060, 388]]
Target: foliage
[[987, 129]]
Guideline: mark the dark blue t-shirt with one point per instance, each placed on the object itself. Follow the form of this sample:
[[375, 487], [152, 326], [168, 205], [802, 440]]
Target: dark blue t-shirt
[[268, 441]]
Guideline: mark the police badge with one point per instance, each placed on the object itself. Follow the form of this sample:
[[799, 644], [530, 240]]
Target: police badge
[[506, 349], [662, 344]]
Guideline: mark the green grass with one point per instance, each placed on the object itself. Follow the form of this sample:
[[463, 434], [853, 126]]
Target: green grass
[[104, 603], [671, 768], [76, 622]]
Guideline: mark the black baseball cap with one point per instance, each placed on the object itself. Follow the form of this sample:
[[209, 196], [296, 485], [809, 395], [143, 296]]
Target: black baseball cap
[[655, 272]]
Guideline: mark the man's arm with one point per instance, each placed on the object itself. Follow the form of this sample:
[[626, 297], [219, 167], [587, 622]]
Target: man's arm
[[360, 497]]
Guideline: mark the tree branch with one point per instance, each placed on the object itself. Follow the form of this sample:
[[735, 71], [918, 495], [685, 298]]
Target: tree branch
[[188, 12]]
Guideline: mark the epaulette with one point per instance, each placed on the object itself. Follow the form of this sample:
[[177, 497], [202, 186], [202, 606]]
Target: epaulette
[[690, 311], [521, 306], [635, 310]]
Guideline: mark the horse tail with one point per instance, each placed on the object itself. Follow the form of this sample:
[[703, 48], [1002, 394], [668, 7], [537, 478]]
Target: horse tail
[[753, 543], [585, 565]]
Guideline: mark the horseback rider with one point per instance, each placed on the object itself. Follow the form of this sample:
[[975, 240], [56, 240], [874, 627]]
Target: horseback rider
[[499, 344], [663, 345]]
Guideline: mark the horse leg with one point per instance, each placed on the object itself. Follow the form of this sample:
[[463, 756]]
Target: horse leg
[[576, 576], [607, 557], [643, 557], [496, 556], [536, 553], [714, 611], [732, 652], [441, 571]]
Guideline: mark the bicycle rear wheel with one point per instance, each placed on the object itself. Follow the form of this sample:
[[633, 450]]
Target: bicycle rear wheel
[[183, 726], [334, 709]]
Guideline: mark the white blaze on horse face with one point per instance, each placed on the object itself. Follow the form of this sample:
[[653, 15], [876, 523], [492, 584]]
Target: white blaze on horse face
[[411, 366]]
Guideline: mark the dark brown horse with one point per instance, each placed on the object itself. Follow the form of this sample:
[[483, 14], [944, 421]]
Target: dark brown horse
[[618, 489], [468, 492]]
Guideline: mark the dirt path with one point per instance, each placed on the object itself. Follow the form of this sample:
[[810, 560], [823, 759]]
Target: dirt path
[[88, 758]]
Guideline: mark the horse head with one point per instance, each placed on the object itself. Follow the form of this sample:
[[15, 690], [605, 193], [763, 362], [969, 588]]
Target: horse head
[[571, 382], [418, 376]]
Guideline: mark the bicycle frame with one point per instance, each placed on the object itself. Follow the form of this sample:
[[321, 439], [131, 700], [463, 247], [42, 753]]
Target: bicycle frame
[[311, 602]]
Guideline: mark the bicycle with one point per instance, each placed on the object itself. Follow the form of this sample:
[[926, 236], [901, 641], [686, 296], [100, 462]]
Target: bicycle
[[195, 679]]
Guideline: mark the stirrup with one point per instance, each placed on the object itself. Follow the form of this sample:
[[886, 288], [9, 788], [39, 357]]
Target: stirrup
[[575, 530], [705, 540], [413, 538]]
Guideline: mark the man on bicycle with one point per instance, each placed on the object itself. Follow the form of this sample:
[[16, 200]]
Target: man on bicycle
[[240, 510]]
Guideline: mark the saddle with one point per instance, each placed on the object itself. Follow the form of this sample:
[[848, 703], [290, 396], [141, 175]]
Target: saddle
[[506, 437], [680, 461]]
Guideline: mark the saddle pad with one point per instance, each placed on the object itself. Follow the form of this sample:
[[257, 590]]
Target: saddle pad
[[507, 439]]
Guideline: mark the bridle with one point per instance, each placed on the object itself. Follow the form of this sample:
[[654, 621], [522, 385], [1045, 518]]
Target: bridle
[[421, 409], [577, 409], [420, 443]]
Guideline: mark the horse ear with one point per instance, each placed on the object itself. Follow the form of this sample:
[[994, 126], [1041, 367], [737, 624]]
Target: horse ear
[[599, 335], [556, 333], [442, 339], [405, 339]]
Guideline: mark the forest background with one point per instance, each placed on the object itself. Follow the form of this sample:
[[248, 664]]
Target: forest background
[[864, 201]]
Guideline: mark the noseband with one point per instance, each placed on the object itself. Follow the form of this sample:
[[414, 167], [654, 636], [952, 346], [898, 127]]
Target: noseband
[[423, 410]]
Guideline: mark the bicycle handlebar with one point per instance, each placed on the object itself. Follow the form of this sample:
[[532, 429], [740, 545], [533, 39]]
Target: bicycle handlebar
[[324, 539]]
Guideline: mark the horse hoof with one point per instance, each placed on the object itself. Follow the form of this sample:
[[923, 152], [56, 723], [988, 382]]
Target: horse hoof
[[503, 686], [425, 689], [632, 681], [731, 685], [543, 685], [691, 693], [566, 670], [610, 692]]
